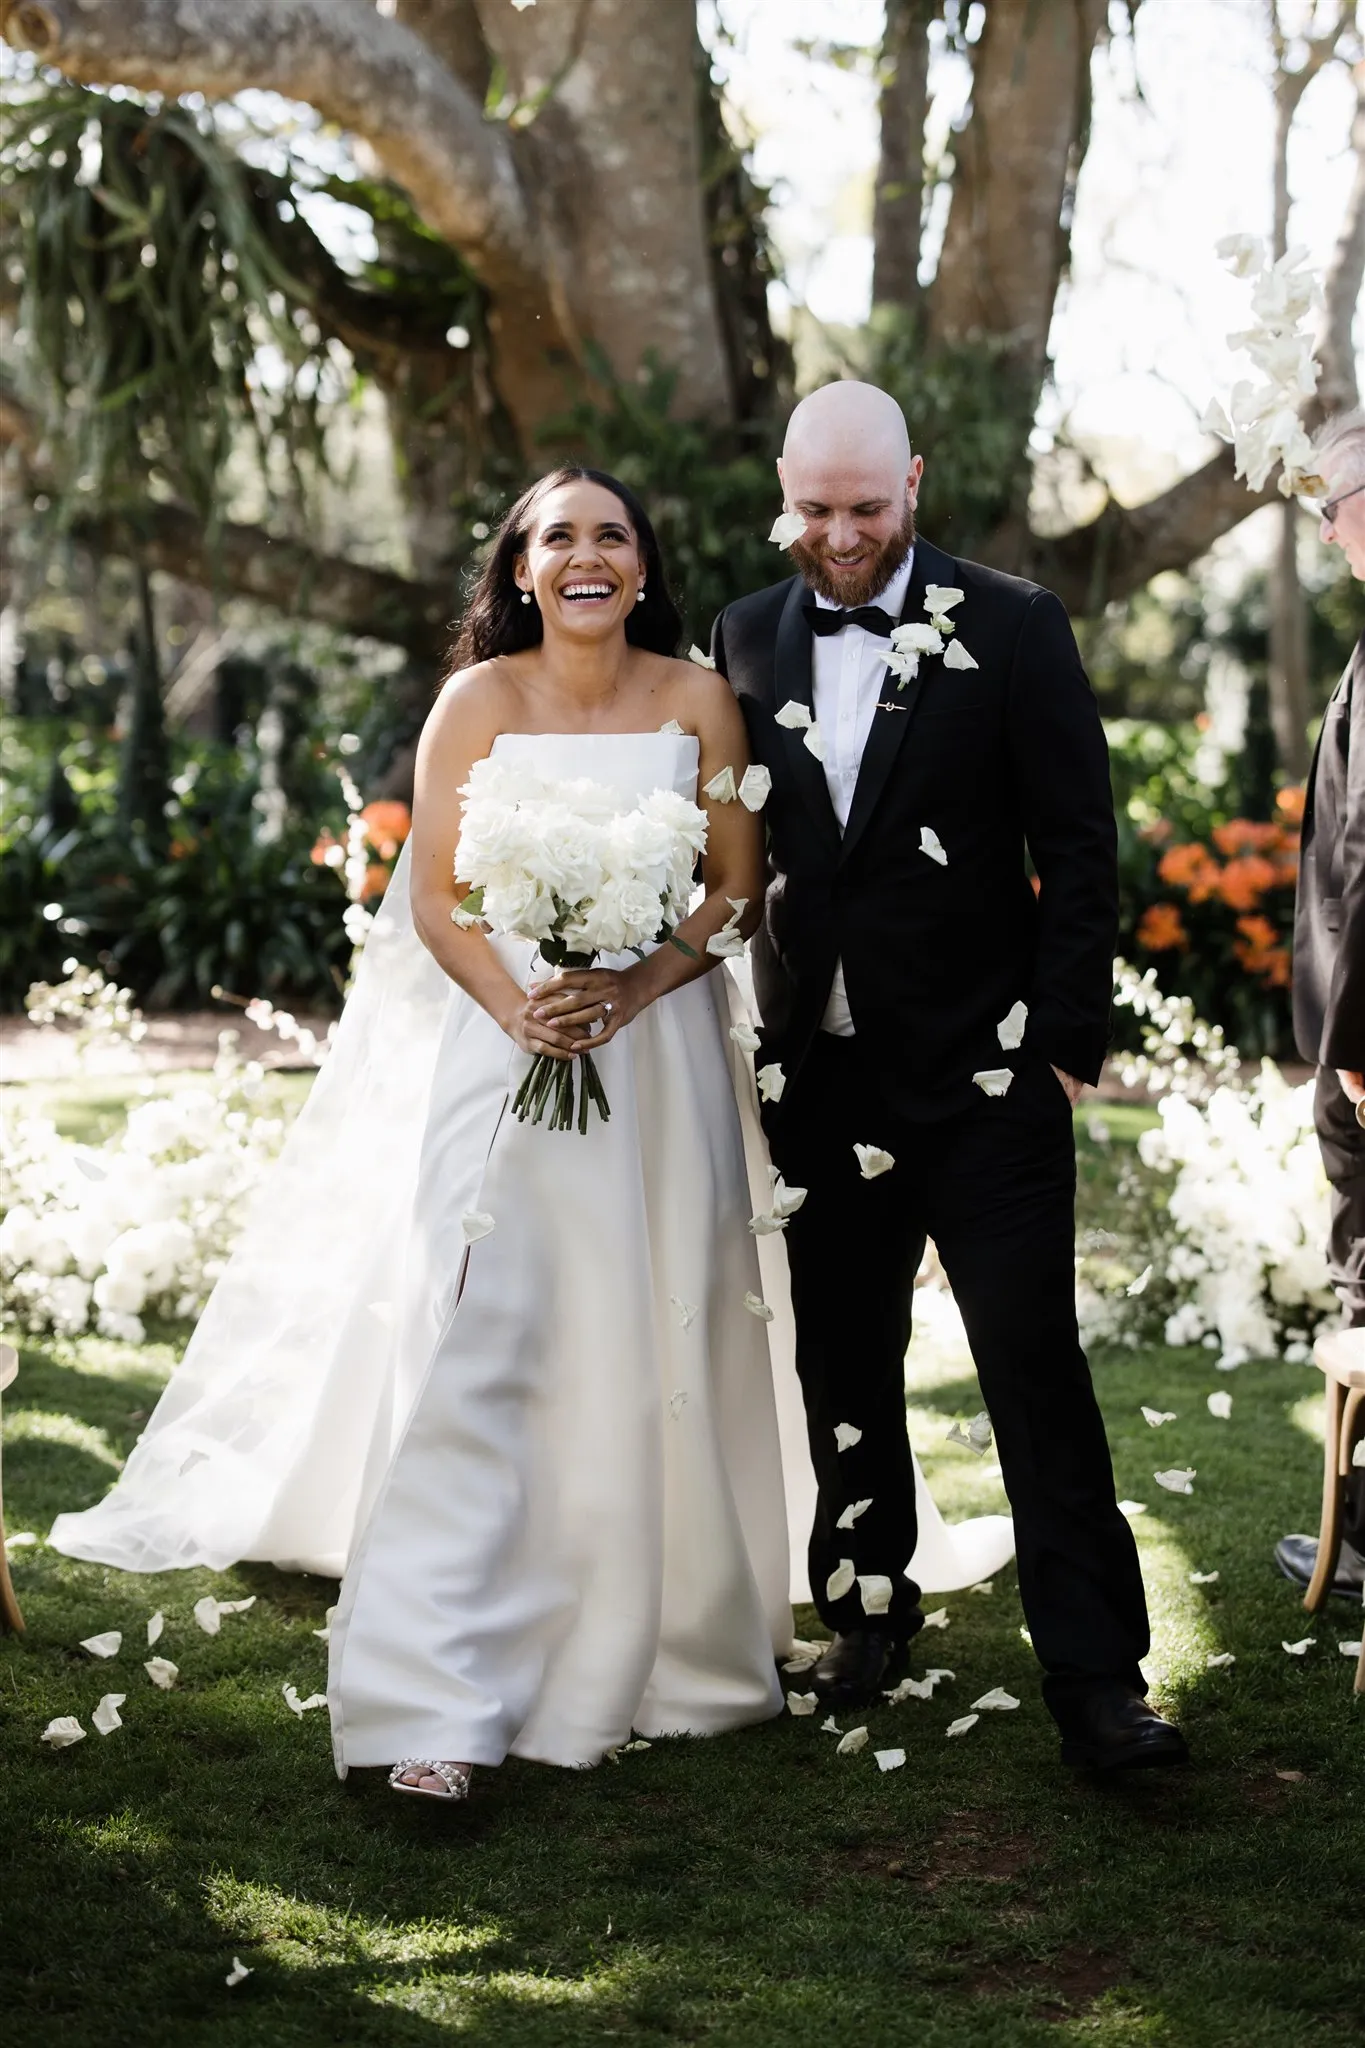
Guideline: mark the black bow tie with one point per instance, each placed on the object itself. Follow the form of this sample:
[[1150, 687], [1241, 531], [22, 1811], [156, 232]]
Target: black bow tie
[[823, 620]]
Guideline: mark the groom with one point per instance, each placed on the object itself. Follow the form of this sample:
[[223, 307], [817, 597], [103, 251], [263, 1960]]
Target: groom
[[922, 997]]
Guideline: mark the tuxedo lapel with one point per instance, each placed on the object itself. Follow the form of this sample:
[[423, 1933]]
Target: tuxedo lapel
[[794, 683], [896, 707]]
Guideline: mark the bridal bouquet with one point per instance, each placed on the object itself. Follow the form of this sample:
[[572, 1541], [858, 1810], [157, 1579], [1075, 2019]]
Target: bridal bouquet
[[564, 864]]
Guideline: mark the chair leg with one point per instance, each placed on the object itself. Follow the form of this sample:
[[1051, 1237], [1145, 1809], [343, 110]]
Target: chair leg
[[1329, 1528]]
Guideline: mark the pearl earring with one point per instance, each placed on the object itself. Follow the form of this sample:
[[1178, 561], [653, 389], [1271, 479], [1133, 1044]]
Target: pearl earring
[[526, 597], [640, 595]]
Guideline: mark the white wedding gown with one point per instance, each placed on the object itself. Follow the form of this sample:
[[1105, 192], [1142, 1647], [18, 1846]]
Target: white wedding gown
[[547, 1462]]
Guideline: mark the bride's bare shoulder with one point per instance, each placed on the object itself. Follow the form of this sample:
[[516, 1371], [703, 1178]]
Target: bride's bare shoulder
[[472, 704]]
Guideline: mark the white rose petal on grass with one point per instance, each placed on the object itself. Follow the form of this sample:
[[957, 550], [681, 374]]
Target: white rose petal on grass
[[845, 1436], [787, 527], [940, 1618], [982, 1586], [889, 1759], [993, 1080], [875, 1589], [1129, 1508], [239, 1970], [757, 1306], [1010, 1029], [918, 1688], [955, 655], [830, 1727], [961, 1725], [302, 1707], [105, 1718], [852, 1512], [1220, 1407], [802, 1703], [1299, 1649], [850, 1744], [840, 1580], [996, 1701], [771, 1082], [1156, 1417], [162, 1672], [324, 1634], [107, 1645], [476, 1223], [154, 1627], [872, 1161], [755, 787], [21, 1541], [1349, 1649], [61, 1733], [794, 716], [930, 843], [745, 1037], [722, 788], [1218, 1660], [694, 653], [1202, 1578], [1179, 1479]]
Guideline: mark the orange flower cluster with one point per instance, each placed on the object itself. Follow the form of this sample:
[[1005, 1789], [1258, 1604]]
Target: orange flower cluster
[[1258, 857], [376, 880], [1260, 951], [321, 846], [387, 825], [1162, 929]]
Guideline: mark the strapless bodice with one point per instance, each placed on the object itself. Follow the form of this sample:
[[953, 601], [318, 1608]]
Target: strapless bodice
[[633, 763]]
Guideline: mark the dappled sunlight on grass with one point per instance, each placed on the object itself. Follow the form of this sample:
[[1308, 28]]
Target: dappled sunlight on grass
[[1310, 1415], [36, 1425]]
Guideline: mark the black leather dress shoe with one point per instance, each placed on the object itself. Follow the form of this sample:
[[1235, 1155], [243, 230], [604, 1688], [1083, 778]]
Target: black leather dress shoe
[[1112, 1728], [854, 1666], [1297, 1557]]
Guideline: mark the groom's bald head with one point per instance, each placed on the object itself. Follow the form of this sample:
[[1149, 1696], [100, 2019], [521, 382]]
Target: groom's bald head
[[847, 468]]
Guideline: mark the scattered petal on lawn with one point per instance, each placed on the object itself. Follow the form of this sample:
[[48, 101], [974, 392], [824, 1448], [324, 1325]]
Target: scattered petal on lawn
[[993, 1080], [930, 843], [961, 1725], [852, 1512], [845, 1435], [794, 716], [1220, 1407], [722, 788], [889, 1759], [1291, 1777], [687, 1311], [757, 1306], [919, 1688], [1202, 1578], [1300, 1649], [476, 1223], [154, 1628], [955, 655], [802, 1703], [62, 1732], [875, 1588], [872, 1161], [239, 1970], [206, 1614], [105, 1718], [1349, 1649], [975, 1438], [996, 1701], [107, 1645], [1155, 1417], [830, 1727], [162, 1672], [787, 527], [1179, 1479], [1139, 1286], [1132, 1507], [302, 1707], [677, 1401], [938, 1619], [745, 1037], [840, 1580], [1010, 1029], [982, 1586], [694, 653], [755, 787], [1217, 1659], [850, 1744], [324, 1634], [21, 1541], [771, 1082]]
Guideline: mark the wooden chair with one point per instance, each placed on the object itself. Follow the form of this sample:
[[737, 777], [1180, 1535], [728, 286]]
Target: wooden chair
[[11, 1619], [1341, 1358]]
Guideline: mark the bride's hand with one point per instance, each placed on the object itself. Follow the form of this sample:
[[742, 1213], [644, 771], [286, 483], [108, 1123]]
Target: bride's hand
[[581, 999], [535, 1034]]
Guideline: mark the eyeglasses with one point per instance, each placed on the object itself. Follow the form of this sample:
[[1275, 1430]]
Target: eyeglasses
[[1331, 506]]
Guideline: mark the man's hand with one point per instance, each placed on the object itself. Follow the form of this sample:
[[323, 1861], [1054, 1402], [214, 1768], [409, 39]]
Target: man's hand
[[1074, 1089], [1352, 1085]]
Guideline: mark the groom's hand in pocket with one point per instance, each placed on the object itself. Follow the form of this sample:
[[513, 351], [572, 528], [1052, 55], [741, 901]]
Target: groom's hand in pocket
[[1071, 1087]]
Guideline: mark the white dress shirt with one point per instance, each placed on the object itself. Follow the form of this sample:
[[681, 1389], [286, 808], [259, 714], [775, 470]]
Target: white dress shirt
[[847, 673]]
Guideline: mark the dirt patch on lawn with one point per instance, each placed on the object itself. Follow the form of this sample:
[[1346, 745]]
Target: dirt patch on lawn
[[1066, 1984]]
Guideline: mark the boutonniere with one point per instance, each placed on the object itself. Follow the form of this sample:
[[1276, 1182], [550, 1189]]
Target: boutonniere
[[908, 643]]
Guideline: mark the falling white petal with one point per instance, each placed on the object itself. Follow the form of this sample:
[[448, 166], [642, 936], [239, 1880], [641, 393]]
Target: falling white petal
[[677, 1401], [840, 1580], [687, 1310], [1220, 1407], [324, 1634], [1180, 1479], [786, 1201], [107, 1645], [154, 1627], [872, 1160], [961, 1725], [726, 944], [162, 1672], [755, 787], [722, 788], [993, 1080], [787, 527], [850, 1744], [105, 1718], [941, 597], [845, 1435], [875, 1589], [757, 1306], [1010, 1029], [802, 1703], [930, 843], [852, 1512], [1214, 420], [794, 1666], [1202, 1578], [672, 725], [62, 1732], [940, 1618], [476, 1223], [745, 1037], [955, 655], [1132, 1507], [1358, 1454], [982, 1586], [1299, 1649], [1217, 1659], [976, 1437], [239, 1969], [996, 1701], [814, 743], [771, 1082], [889, 1759], [794, 716], [1156, 1417], [694, 653]]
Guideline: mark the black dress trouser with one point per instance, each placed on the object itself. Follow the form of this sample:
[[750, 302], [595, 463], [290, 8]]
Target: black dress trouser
[[1342, 1144], [994, 1186]]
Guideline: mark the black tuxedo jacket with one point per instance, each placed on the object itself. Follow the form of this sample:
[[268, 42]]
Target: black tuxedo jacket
[[1329, 910], [1006, 756]]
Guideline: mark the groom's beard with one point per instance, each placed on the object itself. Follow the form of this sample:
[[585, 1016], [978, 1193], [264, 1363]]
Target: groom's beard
[[873, 576]]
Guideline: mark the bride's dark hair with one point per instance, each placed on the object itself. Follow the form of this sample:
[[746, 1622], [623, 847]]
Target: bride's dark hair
[[497, 622]]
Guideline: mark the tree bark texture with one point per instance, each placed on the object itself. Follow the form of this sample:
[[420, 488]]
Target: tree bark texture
[[1338, 390], [899, 200]]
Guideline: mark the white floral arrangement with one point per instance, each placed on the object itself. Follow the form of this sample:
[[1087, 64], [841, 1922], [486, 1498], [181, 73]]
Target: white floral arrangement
[[1262, 417], [574, 869]]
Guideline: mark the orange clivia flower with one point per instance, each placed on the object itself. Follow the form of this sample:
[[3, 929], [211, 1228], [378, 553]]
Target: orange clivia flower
[[1290, 802], [321, 845], [1245, 880], [387, 825], [1161, 929], [1260, 951], [1245, 835], [1157, 833]]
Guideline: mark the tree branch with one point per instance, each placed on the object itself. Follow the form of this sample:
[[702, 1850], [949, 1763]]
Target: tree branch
[[1338, 390], [902, 107]]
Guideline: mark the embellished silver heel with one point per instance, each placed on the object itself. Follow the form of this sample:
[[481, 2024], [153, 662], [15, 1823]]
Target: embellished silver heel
[[455, 1780]]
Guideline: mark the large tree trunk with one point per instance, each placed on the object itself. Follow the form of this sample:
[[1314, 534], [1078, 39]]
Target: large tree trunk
[[899, 201]]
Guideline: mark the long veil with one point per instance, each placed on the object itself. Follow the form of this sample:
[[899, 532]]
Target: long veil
[[277, 1427]]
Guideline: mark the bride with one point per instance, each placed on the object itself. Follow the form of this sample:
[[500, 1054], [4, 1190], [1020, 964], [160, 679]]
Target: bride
[[517, 1384]]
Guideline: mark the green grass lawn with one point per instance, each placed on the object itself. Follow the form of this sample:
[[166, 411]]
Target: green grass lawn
[[754, 1889]]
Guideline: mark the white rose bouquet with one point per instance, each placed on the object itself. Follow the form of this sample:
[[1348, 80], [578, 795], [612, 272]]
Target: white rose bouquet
[[566, 865]]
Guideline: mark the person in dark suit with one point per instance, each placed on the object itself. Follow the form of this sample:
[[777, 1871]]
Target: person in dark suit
[[920, 997], [1329, 962]]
